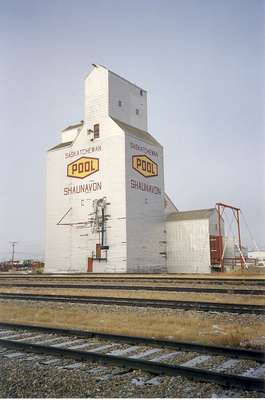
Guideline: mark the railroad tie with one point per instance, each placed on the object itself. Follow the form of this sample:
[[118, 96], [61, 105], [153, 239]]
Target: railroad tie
[[5, 332], [123, 351], [107, 346], [81, 346], [255, 372], [145, 353], [166, 356], [227, 364], [44, 341], [195, 361], [12, 336], [29, 338], [66, 343]]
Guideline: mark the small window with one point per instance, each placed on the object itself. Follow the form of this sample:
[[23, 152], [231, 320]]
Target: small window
[[141, 92], [120, 103], [137, 111], [96, 131]]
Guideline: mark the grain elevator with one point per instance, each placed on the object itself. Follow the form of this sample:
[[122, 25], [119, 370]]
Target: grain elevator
[[105, 185]]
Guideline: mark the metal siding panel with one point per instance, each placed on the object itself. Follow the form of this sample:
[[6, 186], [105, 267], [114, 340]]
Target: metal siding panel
[[188, 249]]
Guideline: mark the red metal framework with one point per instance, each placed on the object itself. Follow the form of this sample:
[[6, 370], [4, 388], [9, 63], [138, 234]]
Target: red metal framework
[[220, 209]]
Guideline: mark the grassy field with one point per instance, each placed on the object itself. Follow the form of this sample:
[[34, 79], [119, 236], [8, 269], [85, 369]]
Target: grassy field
[[191, 326]]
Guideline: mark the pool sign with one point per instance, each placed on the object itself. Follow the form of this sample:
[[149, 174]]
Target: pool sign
[[83, 167], [145, 166]]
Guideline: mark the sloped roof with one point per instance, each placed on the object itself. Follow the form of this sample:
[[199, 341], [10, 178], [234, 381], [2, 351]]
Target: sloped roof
[[138, 133], [114, 73], [68, 128], [189, 215], [170, 203], [59, 146]]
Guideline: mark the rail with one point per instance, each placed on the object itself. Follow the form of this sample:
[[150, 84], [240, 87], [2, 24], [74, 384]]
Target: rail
[[173, 304], [255, 292]]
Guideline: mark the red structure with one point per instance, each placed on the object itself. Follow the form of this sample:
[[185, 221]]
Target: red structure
[[215, 243], [220, 208]]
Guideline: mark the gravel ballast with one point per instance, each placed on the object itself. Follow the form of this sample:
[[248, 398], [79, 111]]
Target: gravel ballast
[[20, 378]]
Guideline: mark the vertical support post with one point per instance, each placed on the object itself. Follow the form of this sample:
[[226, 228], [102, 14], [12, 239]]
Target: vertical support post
[[239, 239], [236, 212], [102, 226], [220, 238]]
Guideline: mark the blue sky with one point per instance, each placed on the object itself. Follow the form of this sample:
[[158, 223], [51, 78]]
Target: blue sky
[[202, 63]]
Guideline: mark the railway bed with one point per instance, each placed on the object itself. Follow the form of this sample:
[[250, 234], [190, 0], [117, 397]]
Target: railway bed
[[232, 367], [172, 304], [130, 278], [255, 292]]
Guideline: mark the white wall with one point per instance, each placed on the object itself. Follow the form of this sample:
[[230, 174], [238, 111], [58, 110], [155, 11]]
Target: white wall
[[145, 210], [188, 246], [96, 97], [132, 98], [68, 247]]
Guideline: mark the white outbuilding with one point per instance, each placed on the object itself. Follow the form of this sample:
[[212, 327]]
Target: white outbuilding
[[193, 243]]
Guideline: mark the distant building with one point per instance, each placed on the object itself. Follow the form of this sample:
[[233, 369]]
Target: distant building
[[259, 256]]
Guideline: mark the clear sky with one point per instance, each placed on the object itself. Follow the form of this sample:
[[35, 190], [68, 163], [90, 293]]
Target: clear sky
[[202, 63]]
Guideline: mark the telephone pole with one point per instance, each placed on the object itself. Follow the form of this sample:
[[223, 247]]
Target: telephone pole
[[13, 244]]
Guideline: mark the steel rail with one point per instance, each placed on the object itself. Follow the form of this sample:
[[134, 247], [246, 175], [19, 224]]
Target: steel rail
[[174, 304], [149, 366], [235, 352], [255, 292], [239, 281]]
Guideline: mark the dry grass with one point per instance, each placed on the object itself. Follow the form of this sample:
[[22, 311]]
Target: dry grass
[[216, 275], [167, 324], [131, 282], [139, 294]]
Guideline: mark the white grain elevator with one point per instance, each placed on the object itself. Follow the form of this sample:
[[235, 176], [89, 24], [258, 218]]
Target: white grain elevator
[[105, 185]]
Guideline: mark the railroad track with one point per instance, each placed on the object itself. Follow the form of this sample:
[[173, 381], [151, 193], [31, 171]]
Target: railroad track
[[173, 304], [122, 278], [255, 292], [118, 355]]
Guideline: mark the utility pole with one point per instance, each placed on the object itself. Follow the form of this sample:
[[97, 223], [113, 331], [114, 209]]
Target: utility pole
[[13, 244]]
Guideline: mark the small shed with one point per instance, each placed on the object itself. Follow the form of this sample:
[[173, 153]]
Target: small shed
[[193, 242]]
